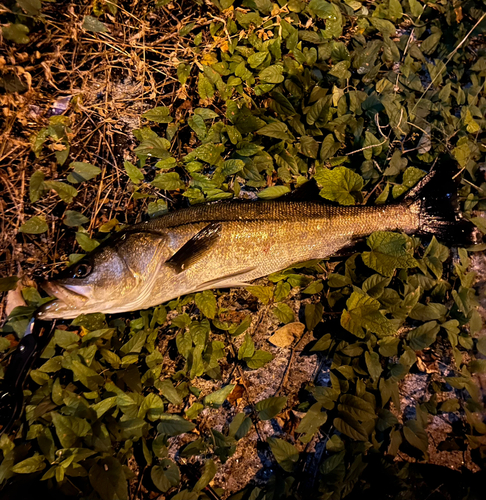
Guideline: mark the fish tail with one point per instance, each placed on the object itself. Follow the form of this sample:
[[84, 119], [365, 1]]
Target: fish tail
[[435, 199]]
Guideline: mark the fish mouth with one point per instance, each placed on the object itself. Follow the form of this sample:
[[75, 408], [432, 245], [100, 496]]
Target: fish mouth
[[67, 293], [69, 301]]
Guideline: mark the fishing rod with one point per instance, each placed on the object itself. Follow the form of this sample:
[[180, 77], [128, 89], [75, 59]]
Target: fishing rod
[[35, 340]]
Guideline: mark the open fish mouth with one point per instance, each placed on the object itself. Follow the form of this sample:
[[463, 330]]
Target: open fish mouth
[[70, 294], [68, 303]]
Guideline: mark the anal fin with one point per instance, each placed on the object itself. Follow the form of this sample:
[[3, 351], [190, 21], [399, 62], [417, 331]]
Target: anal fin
[[193, 249]]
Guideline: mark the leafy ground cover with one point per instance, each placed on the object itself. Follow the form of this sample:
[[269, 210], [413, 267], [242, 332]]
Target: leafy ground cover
[[314, 381]]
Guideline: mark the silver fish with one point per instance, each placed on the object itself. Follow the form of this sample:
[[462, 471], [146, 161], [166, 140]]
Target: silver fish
[[229, 244]]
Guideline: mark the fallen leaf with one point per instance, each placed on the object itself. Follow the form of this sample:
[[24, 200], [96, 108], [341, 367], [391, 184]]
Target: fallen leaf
[[286, 335]]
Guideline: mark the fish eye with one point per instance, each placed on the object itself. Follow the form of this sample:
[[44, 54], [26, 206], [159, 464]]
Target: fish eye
[[82, 270]]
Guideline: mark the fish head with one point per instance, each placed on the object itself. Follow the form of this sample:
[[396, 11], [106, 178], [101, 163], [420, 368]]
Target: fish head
[[114, 278]]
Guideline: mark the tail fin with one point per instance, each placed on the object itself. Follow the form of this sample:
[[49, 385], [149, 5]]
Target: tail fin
[[435, 198]]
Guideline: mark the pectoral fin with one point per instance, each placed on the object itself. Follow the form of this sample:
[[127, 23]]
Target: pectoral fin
[[229, 280], [193, 249]]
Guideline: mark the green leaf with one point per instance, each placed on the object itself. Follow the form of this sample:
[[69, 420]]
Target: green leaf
[[364, 312], [165, 475], [272, 74], [331, 14], [210, 469], [65, 191], [273, 192], [159, 114], [169, 181], [82, 172], [157, 208], [217, 398], [386, 28], [416, 8], [69, 429], [183, 72], [92, 24], [205, 87], [373, 365], [85, 242], [270, 407], [259, 359], [154, 147], [136, 176], [173, 425], [30, 465], [285, 453], [277, 130], [166, 387], [264, 293], [348, 425], [389, 251], [9, 283], [231, 167], [36, 186], [410, 177], [240, 425], [338, 184], [35, 225], [247, 348], [313, 315], [108, 478], [311, 422], [283, 312], [16, 33], [429, 45], [206, 302], [152, 407], [415, 435], [357, 407], [256, 59], [423, 336], [73, 218], [32, 7]]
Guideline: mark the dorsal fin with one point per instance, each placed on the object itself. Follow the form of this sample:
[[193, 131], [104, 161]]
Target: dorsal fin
[[193, 249], [309, 191]]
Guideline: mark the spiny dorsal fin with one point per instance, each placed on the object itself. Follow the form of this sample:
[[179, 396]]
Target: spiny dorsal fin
[[193, 249], [309, 191]]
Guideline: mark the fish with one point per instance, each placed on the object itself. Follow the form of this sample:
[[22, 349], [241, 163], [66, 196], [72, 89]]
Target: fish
[[229, 244]]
